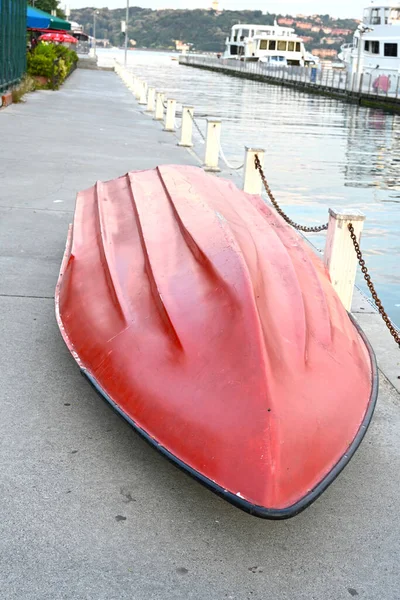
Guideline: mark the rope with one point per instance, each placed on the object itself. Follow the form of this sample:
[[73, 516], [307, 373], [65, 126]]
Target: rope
[[222, 155], [198, 128]]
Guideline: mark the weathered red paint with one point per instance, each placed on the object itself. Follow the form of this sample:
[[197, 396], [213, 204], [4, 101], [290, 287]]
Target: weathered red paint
[[214, 326]]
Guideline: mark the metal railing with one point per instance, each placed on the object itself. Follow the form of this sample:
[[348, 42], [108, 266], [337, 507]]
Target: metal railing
[[82, 47], [380, 83], [12, 42]]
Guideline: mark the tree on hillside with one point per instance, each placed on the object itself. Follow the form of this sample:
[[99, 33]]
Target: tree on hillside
[[48, 6]]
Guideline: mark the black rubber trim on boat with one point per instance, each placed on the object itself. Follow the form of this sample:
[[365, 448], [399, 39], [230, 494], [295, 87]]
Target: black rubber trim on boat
[[259, 511]]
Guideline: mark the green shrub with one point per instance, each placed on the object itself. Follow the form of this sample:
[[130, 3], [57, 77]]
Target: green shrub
[[40, 65], [51, 61]]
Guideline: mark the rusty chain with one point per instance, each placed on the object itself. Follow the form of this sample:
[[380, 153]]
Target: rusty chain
[[364, 269], [278, 209], [371, 286]]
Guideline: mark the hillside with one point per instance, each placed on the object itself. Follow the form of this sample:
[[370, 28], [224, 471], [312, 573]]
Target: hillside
[[205, 29]]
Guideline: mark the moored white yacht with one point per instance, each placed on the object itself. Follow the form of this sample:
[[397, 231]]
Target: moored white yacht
[[264, 42], [376, 43]]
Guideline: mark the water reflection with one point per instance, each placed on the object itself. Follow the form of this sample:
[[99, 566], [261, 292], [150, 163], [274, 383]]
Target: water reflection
[[320, 153]]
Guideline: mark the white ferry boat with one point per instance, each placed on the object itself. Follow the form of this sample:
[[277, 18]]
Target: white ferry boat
[[376, 43], [267, 43]]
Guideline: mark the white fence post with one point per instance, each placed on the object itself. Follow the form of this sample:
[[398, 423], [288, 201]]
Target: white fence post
[[136, 87], [252, 183], [143, 94], [170, 116], [151, 100], [159, 116], [340, 256], [187, 127], [212, 145]]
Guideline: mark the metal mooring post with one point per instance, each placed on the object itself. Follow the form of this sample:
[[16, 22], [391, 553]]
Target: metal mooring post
[[170, 115], [252, 183], [143, 94], [151, 100], [159, 116], [187, 127], [340, 257], [211, 159]]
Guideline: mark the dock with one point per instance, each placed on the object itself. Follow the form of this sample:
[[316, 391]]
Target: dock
[[88, 510], [341, 85]]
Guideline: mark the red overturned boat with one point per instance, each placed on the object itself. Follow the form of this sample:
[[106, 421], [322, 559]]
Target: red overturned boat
[[212, 327]]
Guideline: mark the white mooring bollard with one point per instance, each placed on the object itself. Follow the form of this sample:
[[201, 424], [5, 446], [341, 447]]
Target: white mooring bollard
[[135, 85], [340, 257], [170, 115], [252, 182], [151, 100], [138, 88], [159, 116], [211, 159], [187, 127], [143, 94]]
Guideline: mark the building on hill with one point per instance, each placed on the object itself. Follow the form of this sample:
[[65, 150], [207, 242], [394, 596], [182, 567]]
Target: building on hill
[[316, 28], [301, 25], [307, 39], [342, 31], [331, 41], [285, 21], [324, 52]]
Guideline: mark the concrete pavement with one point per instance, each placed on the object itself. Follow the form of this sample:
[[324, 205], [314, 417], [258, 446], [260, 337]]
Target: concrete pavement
[[88, 510]]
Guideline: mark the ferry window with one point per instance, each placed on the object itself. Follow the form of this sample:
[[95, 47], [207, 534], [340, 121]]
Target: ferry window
[[298, 47], [390, 49], [272, 44], [290, 46], [245, 33], [375, 16], [395, 14], [375, 47], [282, 46], [387, 11], [366, 46], [263, 44], [366, 16], [234, 50]]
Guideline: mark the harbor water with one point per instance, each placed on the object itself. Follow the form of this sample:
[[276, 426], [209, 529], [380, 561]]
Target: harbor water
[[321, 153]]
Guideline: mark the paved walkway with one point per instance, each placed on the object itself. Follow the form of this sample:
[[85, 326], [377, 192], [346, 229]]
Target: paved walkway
[[88, 510]]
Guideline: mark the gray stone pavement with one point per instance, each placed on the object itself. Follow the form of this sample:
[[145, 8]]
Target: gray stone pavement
[[87, 509]]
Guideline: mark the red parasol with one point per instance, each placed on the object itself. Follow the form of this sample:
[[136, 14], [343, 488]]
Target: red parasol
[[58, 37]]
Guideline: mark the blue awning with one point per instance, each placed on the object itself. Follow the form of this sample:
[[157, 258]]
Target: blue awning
[[37, 19]]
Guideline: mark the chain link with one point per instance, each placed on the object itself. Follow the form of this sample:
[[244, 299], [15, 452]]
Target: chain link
[[364, 269], [278, 209], [197, 127], [371, 286]]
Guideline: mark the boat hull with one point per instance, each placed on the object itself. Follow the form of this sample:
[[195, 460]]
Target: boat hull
[[167, 301]]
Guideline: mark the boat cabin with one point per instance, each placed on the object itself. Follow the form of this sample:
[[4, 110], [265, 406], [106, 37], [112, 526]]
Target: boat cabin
[[254, 42], [379, 38], [382, 15]]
